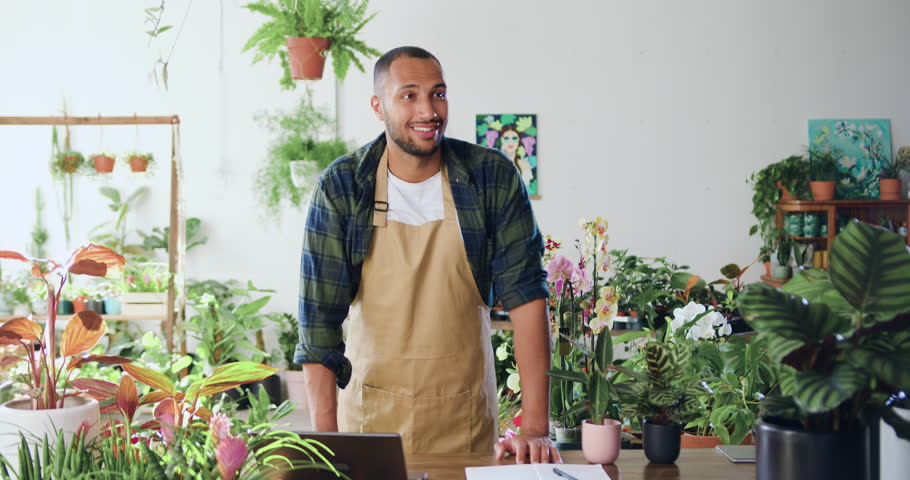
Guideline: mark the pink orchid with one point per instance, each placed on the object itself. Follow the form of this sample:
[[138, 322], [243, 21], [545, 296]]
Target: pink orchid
[[528, 143], [230, 453], [581, 279], [492, 135], [559, 270]]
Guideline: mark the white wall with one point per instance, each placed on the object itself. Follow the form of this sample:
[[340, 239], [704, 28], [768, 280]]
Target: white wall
[[651, 113]]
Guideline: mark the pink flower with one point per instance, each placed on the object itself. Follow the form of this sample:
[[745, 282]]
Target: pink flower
[[528, 143], [492, 135], [559, 270], [220, 426], [581, 279], [231, 453]]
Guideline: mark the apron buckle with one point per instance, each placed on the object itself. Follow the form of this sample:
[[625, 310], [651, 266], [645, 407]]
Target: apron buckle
[[377, 207]]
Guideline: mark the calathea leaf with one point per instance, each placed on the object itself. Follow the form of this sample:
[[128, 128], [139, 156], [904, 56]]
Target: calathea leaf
[[781, 406], [892, 367], [770, 310], [870, 267], [817, 392]]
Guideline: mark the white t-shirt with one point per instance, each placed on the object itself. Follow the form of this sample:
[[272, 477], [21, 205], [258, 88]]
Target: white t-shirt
[[415, 203]]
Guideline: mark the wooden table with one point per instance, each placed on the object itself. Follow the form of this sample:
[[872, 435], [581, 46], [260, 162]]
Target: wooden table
[[693, 464]]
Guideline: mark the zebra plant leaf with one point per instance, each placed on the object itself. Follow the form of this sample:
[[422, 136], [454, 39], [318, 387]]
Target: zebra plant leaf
[[892, 367], [781, 406], [769, 310], [659, 361], [870, 267], [817, 392]]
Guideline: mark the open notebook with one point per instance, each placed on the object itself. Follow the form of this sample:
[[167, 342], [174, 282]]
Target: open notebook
[[540, 471]]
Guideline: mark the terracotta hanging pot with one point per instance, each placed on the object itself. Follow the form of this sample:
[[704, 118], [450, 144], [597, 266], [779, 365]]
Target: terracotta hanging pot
[[138, 163], [307, 57], [822, 191], [889, 189], [103, 163]]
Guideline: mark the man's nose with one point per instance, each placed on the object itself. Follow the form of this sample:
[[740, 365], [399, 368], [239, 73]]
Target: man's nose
[[426, 110]]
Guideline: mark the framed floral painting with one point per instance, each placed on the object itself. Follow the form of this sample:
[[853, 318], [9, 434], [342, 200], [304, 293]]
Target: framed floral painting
[[515, 134], [865, 146]]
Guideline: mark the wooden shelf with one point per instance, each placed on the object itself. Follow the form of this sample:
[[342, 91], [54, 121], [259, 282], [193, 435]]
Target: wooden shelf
[[866, 210], [107, 318]]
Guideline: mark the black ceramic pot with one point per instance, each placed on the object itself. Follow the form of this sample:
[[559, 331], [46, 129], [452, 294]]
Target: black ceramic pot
[[96, 306], [271, 384], [662, 442], [788, 453]]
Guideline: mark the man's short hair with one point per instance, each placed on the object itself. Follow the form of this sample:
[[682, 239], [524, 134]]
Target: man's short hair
[[385, 61]]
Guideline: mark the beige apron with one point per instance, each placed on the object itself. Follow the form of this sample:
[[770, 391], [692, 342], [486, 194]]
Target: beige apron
[[419, 338]]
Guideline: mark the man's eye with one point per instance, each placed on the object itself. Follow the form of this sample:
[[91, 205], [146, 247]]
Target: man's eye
[[408, 96], [440, 94]]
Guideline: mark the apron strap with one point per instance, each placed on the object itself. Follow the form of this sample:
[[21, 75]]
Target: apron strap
[[381, 197]]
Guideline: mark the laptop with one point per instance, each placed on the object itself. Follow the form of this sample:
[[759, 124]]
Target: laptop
[[359, 456], [738, 453]]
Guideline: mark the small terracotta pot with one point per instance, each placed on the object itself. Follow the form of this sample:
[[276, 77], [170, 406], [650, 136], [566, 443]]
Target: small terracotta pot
[[79, 304], [767, 268], [822, 191], [784, 193], [706, 441], [307, 57], [889, 189], [138, 163], [70, 164], [103, 163], [600, 443]]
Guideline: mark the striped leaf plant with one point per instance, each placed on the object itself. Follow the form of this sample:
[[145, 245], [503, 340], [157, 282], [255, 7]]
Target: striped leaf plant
[[843, 335]]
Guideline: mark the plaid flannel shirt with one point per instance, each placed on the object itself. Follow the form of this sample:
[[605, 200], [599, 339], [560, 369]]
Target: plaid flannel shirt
[[503, 244]]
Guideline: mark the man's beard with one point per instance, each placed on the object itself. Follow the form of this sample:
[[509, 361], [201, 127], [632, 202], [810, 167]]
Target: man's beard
[[411, 148]]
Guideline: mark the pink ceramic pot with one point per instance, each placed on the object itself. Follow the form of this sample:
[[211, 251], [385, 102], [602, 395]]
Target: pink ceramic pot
[[600, 443]]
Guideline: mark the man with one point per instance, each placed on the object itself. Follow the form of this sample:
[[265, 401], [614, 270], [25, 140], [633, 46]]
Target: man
[[408, 238]]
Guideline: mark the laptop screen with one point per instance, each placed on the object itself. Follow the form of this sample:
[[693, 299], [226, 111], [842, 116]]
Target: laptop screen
[[360, 456]]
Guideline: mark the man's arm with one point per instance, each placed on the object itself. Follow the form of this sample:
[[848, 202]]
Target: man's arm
[[326, 292], [322, 397], [532, 352]]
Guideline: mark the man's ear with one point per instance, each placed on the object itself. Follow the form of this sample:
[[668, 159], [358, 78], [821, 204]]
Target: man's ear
[[376, 104]]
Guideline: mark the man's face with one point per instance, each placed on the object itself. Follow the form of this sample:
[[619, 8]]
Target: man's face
[[412, 103]]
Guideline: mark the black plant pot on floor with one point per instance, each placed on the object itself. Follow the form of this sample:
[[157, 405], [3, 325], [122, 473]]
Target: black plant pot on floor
[[271, 384], [662, 442], [788, 453]]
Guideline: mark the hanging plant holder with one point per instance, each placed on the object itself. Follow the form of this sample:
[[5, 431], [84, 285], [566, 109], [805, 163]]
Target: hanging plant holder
[[307, 57]]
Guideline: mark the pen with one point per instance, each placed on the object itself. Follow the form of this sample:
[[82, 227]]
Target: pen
[[563, 474]]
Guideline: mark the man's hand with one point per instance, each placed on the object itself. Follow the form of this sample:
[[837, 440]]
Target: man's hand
[[526, 447]]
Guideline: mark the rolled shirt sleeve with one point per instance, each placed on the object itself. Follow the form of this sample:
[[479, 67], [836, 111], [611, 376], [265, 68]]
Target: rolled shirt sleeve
[[326, 282]]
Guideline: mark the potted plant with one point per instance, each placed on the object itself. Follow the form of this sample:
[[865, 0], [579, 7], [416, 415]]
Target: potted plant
[[113, 233], [103, 162], [663, 395], [770, 185], [49, 365], [296, 157], [67, 163], [890, 182], [589, 334], [844, 337], [139, 162], [782, 268], [824, 170], [303, 32], [288, 340], [144, 288]]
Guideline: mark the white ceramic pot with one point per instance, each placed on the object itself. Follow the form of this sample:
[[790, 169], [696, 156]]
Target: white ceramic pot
[[895, 452], [296, 388], [601, 443], [17, 416]]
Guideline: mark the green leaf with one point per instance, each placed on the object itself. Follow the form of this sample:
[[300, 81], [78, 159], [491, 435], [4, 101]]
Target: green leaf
[[523, 123], [568, 375], [870, 267], [781, 406], [659, 360], [150, 377], [252, 308], [770, 310], [730, 271], [891, 367], [599, 395], [629, 336], [233, 375], [779, 347], [603, 350], [817, 392]]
